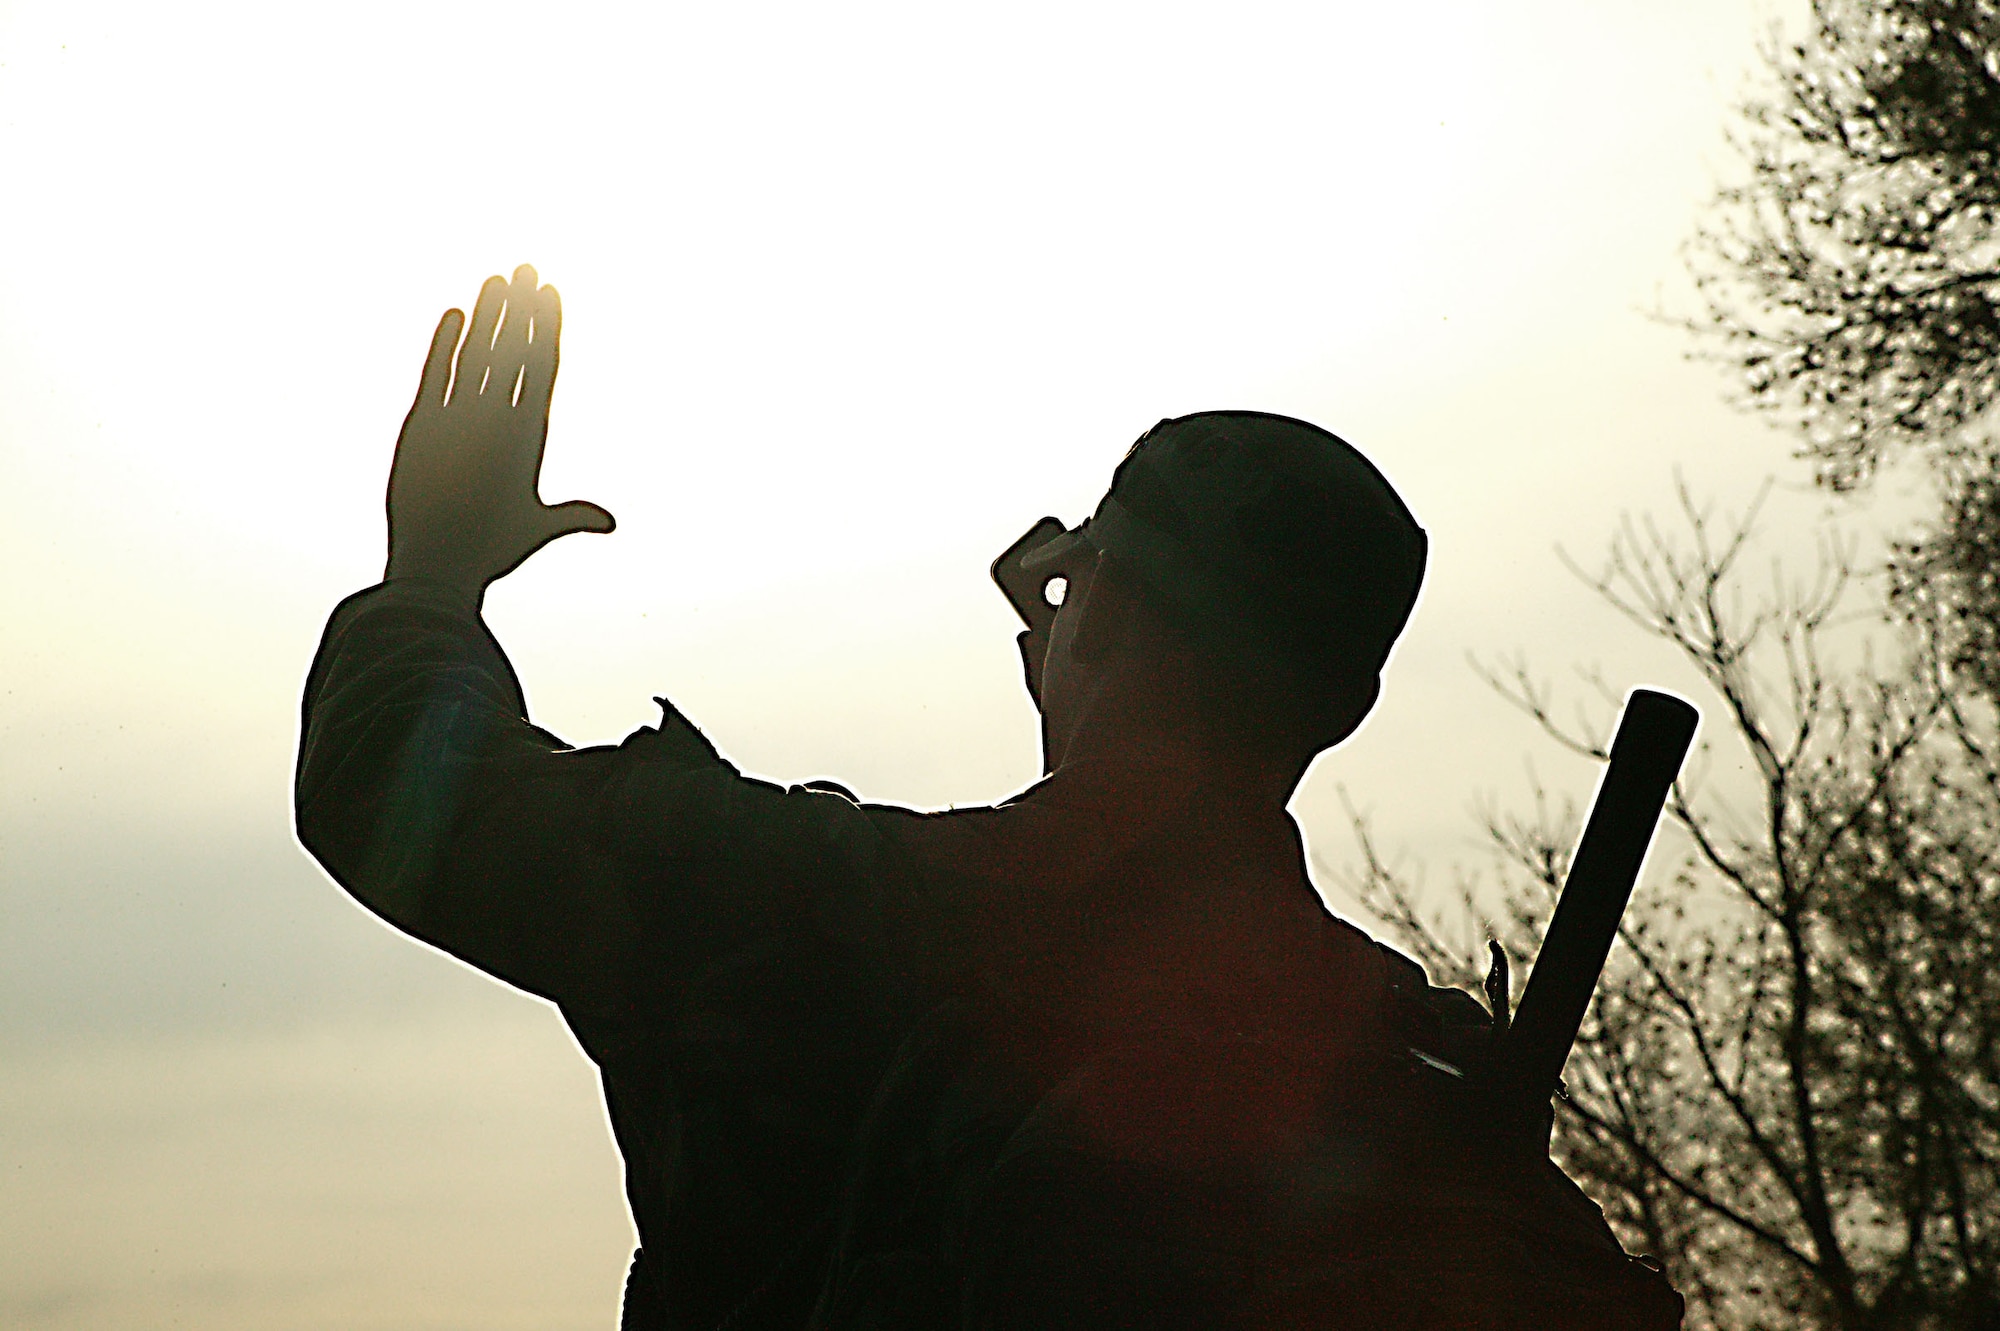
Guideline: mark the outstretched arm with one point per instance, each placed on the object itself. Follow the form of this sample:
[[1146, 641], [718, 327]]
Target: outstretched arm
[[422, 787], [590, 876], [464, 508]]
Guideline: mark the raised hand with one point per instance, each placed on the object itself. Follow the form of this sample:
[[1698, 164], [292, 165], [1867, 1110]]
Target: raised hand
[[464, 508]]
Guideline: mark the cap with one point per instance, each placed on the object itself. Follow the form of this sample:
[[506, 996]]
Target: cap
[[1265, 529]]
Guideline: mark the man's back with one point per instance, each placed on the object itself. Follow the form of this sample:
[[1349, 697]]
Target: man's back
[[745, 962], [1094, 1058], [1048, 1063]]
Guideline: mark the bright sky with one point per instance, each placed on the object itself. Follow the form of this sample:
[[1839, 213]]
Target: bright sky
[[852, 295]]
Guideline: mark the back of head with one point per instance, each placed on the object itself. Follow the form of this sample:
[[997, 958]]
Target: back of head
[[1276, 549]]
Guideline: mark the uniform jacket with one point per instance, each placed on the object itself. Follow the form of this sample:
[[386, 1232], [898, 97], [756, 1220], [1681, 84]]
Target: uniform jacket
[[1011, 1067]]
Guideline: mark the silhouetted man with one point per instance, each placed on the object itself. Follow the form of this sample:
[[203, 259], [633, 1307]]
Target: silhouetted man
[[1097, 1057]]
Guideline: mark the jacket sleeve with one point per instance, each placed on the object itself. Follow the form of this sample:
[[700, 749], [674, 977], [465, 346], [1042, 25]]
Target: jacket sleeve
[[589, 876]]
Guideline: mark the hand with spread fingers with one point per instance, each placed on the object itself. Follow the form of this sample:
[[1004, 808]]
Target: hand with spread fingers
[[464, 508]]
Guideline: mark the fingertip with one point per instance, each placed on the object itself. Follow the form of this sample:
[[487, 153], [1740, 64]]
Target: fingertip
[[524, 276], [492, 297], [545, 330], [437, 363]]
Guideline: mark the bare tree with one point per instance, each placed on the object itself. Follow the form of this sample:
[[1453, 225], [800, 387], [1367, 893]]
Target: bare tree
[[1854, 278], [1788, 1087]]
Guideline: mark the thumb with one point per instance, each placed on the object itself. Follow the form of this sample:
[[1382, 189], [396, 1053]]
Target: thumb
[[578, 515]]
